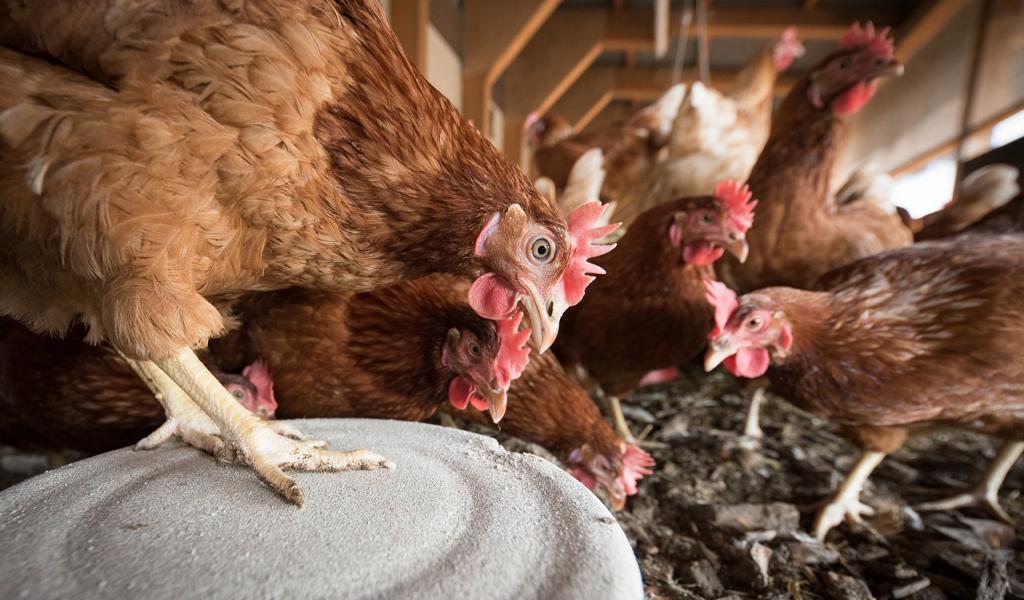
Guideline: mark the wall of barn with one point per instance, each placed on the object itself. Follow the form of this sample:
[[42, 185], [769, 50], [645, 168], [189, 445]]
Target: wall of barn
[[922, 110]]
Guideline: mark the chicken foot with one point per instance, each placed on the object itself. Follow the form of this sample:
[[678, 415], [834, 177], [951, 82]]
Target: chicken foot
[[266, 451], [985, 492], [184, 419], [621, 426], [845, 503], [752, 420]]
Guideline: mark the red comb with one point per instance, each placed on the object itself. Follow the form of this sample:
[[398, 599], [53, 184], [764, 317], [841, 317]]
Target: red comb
[[724, 302], [737, 199], [531, 119], [635, 465], [258, 373], [878, 42], [513, 354], [787, 49], [582, 233]]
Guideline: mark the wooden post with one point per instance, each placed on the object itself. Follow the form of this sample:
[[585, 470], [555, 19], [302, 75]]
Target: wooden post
[[494, 32], [971, 90]]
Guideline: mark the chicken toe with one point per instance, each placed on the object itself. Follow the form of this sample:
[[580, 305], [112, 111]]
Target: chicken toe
[[986, 491], [265, 450], [845, 504]]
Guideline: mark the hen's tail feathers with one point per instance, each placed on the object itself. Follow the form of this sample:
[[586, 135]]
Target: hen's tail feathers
[[546, 187], [700, 105], [662, 113], [584, 182], [984, 191], [981, 192], [867, 184]]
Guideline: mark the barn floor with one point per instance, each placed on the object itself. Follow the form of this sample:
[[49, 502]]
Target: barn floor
[[719, 521], [706, 526]]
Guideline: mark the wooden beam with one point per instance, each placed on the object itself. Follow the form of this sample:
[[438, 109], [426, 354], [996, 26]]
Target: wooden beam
[[612, 112], [633, 29], [564, 47], [949, 145], [602, 84], [494, 32], [409, 19], [662, 27], [924, 25], [588, 95]]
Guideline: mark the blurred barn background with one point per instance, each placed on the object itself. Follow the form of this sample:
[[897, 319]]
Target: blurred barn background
[[595, 61]]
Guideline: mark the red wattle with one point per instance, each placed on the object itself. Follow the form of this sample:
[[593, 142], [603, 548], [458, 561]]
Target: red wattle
[[459, 392], [854, 98], [701, 253], [491, 297], [748, 362], [583, 477]]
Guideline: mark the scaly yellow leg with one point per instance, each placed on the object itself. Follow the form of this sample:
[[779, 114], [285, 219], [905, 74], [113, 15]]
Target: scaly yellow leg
[[263, 449], [985, 492], [845, 503]]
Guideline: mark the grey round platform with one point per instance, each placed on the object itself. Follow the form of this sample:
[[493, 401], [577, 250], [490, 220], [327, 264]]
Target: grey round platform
[[458, 518]]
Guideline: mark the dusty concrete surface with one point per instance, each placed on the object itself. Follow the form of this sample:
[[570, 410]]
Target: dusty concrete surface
[[459, 518]]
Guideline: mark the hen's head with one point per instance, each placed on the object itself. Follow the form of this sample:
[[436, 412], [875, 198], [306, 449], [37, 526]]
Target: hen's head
[[787, 49], [542, 267], [483, 360], [746, 335], [709, 226], [254, 389], [615, 470], [545, 130], [846, 80]]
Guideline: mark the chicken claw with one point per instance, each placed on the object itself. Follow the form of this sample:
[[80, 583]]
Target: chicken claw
[[262, 448], [845, 503], [986, 491]]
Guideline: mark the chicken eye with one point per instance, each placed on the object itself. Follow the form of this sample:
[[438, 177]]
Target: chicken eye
[[844, 64], [706, 218], [755, 323], [474, 350], [238, 394], [542, 250]]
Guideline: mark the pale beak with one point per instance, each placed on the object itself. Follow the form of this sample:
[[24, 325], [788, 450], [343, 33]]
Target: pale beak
[[718, 350], [497, 400], [893, 69], [543, 319], [738, 248]]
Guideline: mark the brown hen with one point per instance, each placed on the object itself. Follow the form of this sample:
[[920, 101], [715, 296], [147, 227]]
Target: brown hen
[[631, 147], [801, 232], [407, 351], [717, 136], [893, 344], [66, 394], [648, 315]]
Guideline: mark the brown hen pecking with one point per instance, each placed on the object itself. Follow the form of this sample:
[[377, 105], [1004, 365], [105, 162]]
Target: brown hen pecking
[[407, 351], [648, 314]]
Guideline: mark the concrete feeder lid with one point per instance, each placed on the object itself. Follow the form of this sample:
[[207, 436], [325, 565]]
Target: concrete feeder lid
[[458, 518]]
